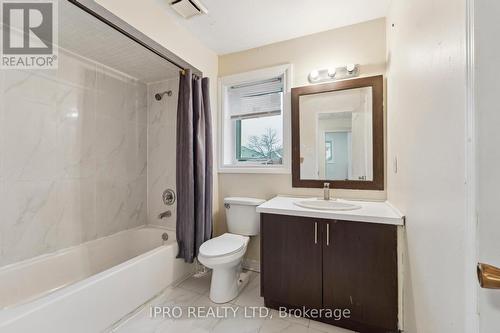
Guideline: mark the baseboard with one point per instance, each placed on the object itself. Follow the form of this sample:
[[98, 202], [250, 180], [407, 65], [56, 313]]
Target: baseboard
[[251, 265]]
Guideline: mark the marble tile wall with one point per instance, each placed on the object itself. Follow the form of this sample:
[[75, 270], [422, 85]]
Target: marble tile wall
[[73, 156], [162, 117]]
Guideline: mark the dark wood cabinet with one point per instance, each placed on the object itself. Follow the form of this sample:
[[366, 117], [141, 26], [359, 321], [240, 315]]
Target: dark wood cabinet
[[289, 237], [330, 264], [360, 273]]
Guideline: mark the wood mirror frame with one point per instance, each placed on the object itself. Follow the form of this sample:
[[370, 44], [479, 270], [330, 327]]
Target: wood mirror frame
[[377, 85]]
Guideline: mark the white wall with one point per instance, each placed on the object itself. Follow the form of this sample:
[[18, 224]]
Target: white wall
[[426, 133], [487, 27]]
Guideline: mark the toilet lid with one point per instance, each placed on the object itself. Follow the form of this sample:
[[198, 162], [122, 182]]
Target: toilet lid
[[223, 245]]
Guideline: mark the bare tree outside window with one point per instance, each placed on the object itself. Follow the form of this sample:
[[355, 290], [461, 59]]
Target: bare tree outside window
[[267, 146]]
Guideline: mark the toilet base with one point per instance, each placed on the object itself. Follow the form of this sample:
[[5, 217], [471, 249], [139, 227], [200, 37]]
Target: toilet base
[[226, 284]]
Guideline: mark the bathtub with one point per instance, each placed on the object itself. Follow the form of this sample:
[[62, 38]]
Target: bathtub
[[89, 287]]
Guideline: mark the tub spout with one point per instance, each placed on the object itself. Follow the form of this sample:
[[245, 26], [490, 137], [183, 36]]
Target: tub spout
[[165, 214]]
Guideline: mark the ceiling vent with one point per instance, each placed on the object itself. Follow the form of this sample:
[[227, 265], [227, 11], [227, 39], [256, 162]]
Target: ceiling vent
[[188, 8]]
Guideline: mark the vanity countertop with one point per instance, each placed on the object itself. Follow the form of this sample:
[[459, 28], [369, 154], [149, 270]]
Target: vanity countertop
[[370, 211]]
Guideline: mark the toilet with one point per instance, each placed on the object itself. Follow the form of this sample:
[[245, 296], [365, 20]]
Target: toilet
[[224, 254]]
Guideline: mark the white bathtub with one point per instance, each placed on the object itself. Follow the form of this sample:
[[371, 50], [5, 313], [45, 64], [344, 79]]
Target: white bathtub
[[89, 287]]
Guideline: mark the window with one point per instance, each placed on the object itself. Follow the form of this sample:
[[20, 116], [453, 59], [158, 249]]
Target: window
[[254, 119], [260, 139]]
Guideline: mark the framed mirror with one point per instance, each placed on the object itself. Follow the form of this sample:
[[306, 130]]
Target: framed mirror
[[338, 134]]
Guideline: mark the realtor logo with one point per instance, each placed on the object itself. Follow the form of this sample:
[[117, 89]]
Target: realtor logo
[[29, 34]]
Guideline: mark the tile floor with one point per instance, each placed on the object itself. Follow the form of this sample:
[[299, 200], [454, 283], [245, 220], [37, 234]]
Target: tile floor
[[194, 292]]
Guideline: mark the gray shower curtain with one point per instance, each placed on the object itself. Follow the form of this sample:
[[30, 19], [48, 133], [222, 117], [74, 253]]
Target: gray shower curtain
[[194, 165]]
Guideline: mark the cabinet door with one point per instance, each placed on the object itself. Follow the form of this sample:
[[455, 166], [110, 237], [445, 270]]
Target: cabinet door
[[360, 274], [291, 255]]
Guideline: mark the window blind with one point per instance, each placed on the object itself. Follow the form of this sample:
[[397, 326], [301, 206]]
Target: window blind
[[256, 99]]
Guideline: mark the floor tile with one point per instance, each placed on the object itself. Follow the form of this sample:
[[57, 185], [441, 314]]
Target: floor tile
[[290, 318], [204, 300], [188, 325], [276, 324], [234, 317], [200, 285], [141, 322], [250, 296], [239, 324], [322, 327]]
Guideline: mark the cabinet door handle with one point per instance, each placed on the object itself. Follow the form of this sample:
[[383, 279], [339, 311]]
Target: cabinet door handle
[[315, 232], [327, 234]]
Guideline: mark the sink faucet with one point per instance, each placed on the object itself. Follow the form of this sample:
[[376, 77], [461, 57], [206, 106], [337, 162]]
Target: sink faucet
[[326, 191]]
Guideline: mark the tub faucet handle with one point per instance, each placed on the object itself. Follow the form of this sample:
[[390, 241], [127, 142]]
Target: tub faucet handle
[[168, 197]]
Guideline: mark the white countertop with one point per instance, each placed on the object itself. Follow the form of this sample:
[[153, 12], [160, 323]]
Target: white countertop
[[370, 211]]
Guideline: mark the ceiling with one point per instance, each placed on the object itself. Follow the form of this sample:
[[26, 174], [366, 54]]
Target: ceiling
[[85, 35], [236, 25]]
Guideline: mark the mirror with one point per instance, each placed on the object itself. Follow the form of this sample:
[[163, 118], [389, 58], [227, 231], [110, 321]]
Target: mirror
[[337, 133]]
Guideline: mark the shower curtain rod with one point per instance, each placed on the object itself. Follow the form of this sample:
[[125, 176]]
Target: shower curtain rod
[[113, 21], [196, 76]]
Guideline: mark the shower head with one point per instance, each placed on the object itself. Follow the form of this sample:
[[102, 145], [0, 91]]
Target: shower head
[[159, 96]]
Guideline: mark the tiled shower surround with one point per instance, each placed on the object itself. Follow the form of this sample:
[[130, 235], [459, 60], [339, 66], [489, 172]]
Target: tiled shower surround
[[73, 157], [161, 149]]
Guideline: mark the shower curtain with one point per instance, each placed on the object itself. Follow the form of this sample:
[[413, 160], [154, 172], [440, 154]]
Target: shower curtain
[[194, 165]]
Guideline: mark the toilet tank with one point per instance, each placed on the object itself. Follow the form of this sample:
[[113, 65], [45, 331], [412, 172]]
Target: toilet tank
[[241, 215]]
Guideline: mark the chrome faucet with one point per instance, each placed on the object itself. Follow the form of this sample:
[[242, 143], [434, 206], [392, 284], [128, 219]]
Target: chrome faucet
[[326, 191]]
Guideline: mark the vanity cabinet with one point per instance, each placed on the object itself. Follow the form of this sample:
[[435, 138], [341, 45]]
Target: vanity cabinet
[[293, 261], [332, 264]]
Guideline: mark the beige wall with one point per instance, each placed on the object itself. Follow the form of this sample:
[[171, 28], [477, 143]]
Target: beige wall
[[363, 44], [426, 132], [154, 19]]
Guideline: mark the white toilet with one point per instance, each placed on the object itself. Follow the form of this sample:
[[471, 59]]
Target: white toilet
[[224, 254]]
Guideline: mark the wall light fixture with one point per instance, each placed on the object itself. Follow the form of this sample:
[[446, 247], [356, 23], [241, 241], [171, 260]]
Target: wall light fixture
[[334, 73]]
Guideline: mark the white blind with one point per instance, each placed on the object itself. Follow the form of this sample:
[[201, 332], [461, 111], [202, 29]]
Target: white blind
[[256, 99]]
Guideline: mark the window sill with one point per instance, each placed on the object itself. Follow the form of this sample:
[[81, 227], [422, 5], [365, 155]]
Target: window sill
[[250, 169]]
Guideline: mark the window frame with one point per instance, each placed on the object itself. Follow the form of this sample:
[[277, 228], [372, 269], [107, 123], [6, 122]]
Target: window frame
[[228, 132]]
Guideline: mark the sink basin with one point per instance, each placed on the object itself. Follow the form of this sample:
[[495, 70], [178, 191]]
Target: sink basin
[[326, 205]]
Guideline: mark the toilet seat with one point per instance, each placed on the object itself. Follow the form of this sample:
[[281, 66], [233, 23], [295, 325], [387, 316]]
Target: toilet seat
[[223, 245]]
